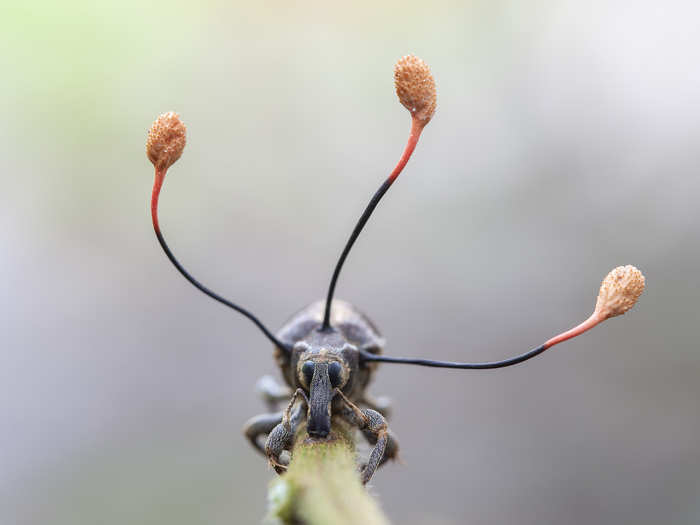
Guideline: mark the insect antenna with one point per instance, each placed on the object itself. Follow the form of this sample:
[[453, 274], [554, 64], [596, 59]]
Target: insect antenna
[[415, 88], [618, 293], [166, 141]]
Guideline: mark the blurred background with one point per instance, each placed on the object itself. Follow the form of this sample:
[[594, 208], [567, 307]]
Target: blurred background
[[565, 144]]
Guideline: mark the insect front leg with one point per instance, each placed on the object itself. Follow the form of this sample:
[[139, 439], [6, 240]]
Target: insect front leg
[[272, 393], [392, 446], [281, 437], [374, 427]]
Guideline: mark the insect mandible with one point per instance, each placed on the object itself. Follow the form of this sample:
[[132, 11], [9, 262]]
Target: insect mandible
[[329, 350]]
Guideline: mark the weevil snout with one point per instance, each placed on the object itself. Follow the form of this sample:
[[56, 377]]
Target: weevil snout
[[321, 378], [320, 395]]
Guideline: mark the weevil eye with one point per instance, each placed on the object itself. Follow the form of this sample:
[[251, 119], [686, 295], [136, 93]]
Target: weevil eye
[[307, 371], [335, 370]]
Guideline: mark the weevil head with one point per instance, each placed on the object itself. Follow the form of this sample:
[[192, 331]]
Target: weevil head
[[322, 362]]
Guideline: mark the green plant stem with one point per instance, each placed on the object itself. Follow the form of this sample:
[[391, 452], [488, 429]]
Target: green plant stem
[[322, 485]]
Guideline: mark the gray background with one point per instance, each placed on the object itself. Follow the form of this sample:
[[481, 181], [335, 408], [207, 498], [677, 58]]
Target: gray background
[[565, 144]]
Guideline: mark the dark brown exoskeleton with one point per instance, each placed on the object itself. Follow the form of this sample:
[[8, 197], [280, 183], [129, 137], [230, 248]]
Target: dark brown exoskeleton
[[327, 378], [327, 352]]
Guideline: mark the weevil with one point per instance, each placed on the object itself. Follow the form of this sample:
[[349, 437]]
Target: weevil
[[328, 352]]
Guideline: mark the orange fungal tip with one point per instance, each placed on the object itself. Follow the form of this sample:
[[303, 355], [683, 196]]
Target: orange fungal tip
[[619, 291], [166, 140], [415, 87]]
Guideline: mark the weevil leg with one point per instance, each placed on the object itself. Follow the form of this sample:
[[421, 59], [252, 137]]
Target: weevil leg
[[374, 427], [392, 445], [281, 437], [261, 425], [272, 392], [381, 404]]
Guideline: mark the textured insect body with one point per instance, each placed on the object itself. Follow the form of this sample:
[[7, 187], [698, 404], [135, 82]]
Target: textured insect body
[[325, 370], [352, 332], [328, 351]]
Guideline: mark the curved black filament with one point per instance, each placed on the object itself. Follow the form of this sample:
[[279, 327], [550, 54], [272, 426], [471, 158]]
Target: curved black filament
[[217, 297], [353, 237], [366, 356]]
